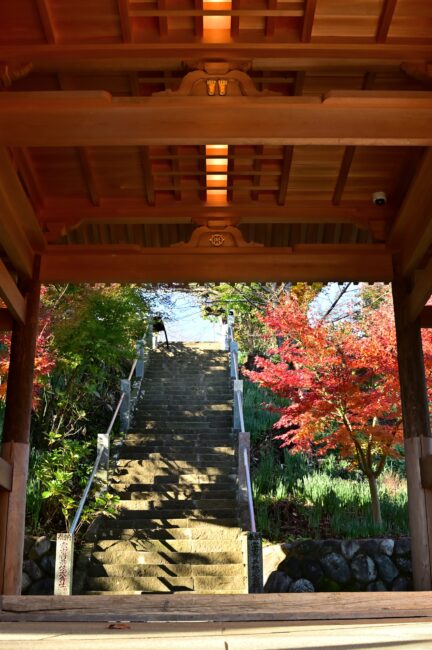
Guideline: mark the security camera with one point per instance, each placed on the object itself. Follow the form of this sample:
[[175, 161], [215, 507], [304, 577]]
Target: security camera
[[379, 198]]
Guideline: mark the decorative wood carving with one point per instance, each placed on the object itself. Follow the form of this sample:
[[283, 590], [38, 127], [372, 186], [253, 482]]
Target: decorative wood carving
[[217, 79], [217, 235], [9, 74]]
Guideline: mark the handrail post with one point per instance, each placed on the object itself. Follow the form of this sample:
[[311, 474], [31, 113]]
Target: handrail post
[[64, 564], [233, 359], [125, 387], [103, 448], [139, 369], [238, 425]]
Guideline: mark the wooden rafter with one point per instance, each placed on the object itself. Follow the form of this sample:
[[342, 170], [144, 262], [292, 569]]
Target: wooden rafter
[[385, 20], [46, 20], [198, 20], [20, 232], [256, 179], [230, 172], [235, 20], [344, 171], [29, 176], [92, 119], [125, 23], [11, 295], [147, 175], [308, 20], [270, 21], [162, 20], [285, 174], [176, 173], [89, 175]]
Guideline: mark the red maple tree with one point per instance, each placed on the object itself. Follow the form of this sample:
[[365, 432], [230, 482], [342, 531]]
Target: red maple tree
[[342, 384]]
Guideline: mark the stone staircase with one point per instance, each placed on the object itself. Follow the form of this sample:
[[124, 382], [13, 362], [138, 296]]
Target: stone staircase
[[177, 527]]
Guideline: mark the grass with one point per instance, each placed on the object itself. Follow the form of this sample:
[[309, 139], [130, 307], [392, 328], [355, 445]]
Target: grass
[[294, 497]]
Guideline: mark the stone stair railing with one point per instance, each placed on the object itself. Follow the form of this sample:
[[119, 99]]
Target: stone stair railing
[[245, 495], [129, 391]]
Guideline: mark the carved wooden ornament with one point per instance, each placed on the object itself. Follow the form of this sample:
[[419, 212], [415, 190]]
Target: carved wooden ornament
[[217, 237]]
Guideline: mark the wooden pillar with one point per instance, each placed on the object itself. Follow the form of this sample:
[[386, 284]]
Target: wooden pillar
[[16, 439], [417, 433]]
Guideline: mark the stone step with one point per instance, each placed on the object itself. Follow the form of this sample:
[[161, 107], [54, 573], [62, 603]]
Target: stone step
[[209, 531], [126, 520], [180, 495], [167, 584], [156, 504], [112, 556], [98, 570], [161, 483], [185, 460], [200, 547], [131, 479], [161, 514], [180, 489], [146, 525], [192, 465], [165, 450], [228, 438]]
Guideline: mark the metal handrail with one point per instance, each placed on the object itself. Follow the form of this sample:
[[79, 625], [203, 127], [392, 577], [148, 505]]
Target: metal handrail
[[99, 457], [245, 458]]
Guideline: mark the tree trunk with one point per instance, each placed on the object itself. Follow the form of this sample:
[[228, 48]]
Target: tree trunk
[[376, 508]]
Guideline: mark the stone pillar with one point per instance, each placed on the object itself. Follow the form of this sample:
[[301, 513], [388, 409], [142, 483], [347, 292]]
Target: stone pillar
[[255, 563]]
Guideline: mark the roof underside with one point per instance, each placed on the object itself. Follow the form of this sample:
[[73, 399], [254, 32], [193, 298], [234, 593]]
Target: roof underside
[[104, 175]]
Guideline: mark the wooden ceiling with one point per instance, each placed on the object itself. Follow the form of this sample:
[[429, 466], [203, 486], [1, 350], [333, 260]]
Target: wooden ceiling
[[105, 165]]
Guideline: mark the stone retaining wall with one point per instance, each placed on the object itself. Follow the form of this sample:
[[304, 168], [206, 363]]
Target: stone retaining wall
[[334, 565], [39, 566]]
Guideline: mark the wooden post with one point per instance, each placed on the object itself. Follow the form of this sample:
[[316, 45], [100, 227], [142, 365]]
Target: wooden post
[[417, 433], [16, 439]]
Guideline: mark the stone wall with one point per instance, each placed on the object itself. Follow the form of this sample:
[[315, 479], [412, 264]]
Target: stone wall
[[39, 566], [334, 565]]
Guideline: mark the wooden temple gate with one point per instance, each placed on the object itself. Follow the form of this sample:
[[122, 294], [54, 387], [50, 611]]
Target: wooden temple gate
[[215, 141]]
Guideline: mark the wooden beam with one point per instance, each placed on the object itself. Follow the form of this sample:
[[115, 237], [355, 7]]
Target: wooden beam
[[270, 21], [426, 317], [20, 232], [46, 20], [147, 175], [95, 118], [417, 432], [385, 20], [411, 235], [285, 174], [29, 176], [73, 212], [344, 171], [162, 20], [129, 57], [125, 23], [6, 320], [256, 179], [11, 295], [16, 438], [175, 167], [325, 263], [308, 20], [89, 175], [5, 475]]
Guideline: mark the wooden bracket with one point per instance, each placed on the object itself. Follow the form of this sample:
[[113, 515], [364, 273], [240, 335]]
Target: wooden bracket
[[6, 470], [426, 472]]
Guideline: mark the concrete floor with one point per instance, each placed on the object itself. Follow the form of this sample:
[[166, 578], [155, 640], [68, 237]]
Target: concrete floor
[[384, 634]]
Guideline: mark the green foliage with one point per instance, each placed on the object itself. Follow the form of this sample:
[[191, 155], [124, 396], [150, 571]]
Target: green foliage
[[92, 332], [293, 499], [58, 477], [259, 420]]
